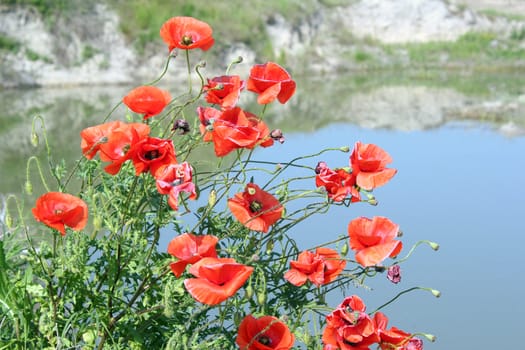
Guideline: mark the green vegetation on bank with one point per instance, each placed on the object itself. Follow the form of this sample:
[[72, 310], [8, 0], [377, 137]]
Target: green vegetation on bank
[[232, 21]]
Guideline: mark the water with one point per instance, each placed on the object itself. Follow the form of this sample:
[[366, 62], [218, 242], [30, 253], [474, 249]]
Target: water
[[460, 182]]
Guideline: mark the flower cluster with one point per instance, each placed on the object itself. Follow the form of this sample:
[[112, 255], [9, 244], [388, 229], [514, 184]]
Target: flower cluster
[[350, 327], [224, 252]]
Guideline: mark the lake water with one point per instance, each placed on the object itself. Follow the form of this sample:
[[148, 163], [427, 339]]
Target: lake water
[[460, 160]]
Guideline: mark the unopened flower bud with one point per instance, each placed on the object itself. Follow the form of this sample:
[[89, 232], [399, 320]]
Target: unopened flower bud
[[373, 202], [29, 187], [430, 337], [248, 292], [8, 219], [433, 245], [435, 293], [344, 249], [261, 297], [239, 59], [212, 198], [97, 222], [394, 274], [34, 139], [201, 64], [269, 246], [237, 318], [345, 149], [181, 124]]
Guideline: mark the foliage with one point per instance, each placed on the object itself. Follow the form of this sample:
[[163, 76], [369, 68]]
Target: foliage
[[68, 284]]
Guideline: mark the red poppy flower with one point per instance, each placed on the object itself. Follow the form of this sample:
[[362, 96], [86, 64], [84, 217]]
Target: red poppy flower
[[187, 33], [255, 208], [57, 210], [151, 153], [373, 240], [394, 338], [369, 162], [207, 116], [172, 179], [339, 183], [189, 249], [120, 143], [216, 280], [264, 333], [320, 268], [147, 100], [94, 136], [349, 327], [234, 129], [271, 82], [224, 90]]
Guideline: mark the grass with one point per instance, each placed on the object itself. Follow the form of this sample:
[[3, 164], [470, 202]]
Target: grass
[[491, 13], [9, 44], [232, 21], [471, 48]]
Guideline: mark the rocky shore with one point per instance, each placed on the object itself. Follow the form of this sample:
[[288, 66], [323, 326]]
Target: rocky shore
[[90, 49]]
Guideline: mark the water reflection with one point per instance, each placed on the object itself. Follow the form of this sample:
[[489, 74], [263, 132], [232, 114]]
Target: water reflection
[[448, 188]]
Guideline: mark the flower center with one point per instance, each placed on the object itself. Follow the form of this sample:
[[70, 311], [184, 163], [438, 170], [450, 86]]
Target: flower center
[[255, 206], [264, 340], [58, 211], [187, 40], [153, 154]]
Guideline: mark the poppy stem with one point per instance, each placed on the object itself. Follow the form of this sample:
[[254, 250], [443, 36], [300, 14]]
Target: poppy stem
[[396, 297], [39, 168], [189, 71], [166, 65], [431, 244]]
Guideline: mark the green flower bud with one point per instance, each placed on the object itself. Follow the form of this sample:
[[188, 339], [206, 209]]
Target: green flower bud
[[237, 318], [269, 246], [97, 222], [433, 245], [435, 293], [345, 149], [212, 199], [248, 292], [8, 220], [29, 187], [344, 249], [430, 337], [34, 139], [261, 297]]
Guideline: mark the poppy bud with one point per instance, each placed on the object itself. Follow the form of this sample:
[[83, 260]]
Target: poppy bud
[[239, 59], [201, 64], [433, 245], [237, 318], [344, 249], [261, 297], [345, 149], [248, 292], [8, 219], [34, 139], [435, 293], [97, 223], [29, 187], [212, 198], [269, 246], [430, 337], [373, 202]]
